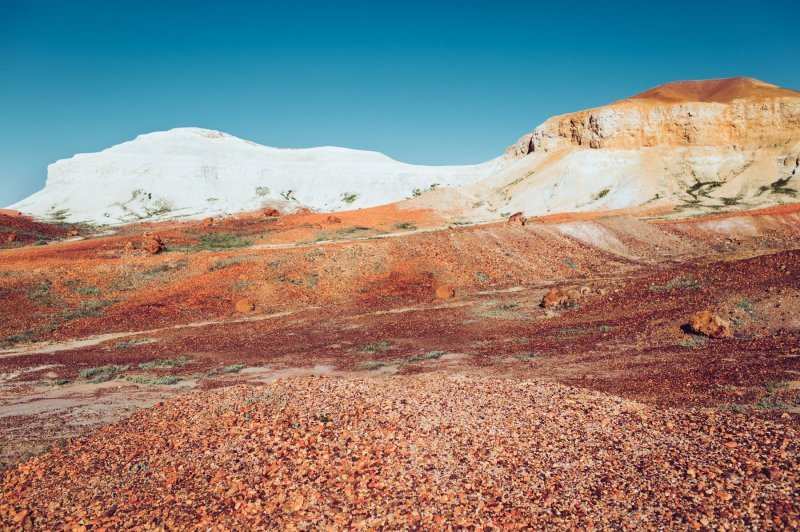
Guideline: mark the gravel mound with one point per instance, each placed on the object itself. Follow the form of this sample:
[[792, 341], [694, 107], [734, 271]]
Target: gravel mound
[[426, 451]]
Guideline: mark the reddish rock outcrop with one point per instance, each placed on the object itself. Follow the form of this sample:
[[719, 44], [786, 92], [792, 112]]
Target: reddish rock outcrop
[[709, 324], [12, 237], [559, 297], [152, 243], [207, 222], [302, 211], [270, 213], [333, 220], [517, 217]]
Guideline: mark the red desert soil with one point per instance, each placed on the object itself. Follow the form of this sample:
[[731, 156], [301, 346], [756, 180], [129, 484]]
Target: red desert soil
[[605, 410], [18, 230]]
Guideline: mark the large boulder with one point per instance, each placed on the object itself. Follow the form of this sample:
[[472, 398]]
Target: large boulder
[[709, 324], [152, 243]]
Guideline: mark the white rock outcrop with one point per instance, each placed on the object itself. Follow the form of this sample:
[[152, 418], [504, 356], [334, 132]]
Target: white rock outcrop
[[193, 172]]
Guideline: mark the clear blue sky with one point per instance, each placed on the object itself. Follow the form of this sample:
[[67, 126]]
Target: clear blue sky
[[427, 82]]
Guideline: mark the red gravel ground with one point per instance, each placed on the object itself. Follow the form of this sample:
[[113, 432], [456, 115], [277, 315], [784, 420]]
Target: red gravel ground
[[432, 451]]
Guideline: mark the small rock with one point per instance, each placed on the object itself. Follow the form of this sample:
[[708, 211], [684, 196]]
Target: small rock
[[707, 323], [445, 292], [558, 297], [152, 243], [270, 213], [207, 222], [333, 220], [245, 305], [20, 516], [517, 217], [302, 211], [12, 237], [573, 295]]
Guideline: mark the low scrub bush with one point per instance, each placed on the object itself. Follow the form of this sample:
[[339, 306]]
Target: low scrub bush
[[165, 363], [102, 373]]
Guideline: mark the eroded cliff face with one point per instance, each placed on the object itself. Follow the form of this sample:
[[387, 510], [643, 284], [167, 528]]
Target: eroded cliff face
[[752, 114]]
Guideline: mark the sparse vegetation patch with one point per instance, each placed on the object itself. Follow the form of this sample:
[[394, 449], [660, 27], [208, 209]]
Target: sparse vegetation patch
[[91, 308], [159, 381], [18, 338], [379, 347], [779, 187], [405, 225], [222, 241], [528, 356], [372, 365], [693, 343], [53, 382], [602, 194], [571, 264], [165, 363], [581, 331], [686, 282], [102, 373]]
